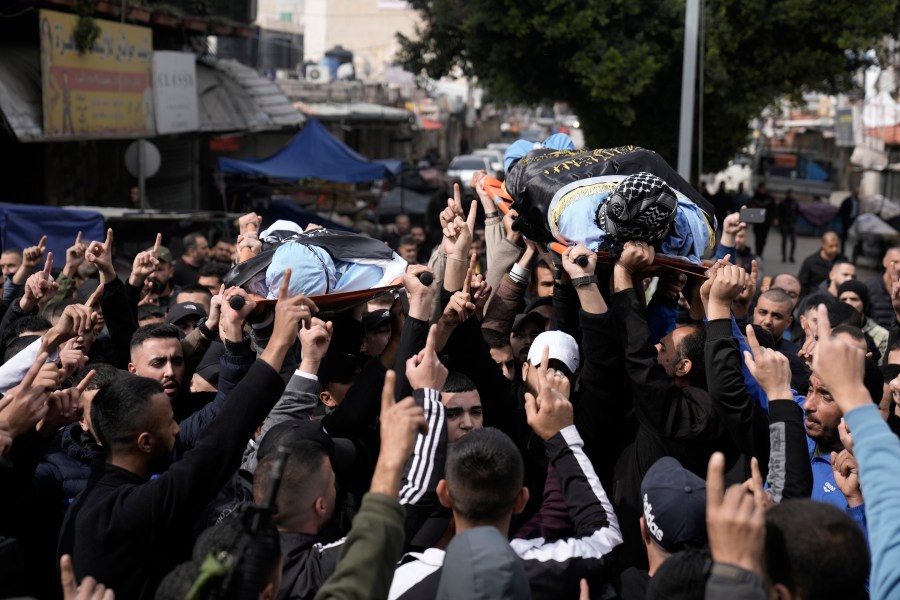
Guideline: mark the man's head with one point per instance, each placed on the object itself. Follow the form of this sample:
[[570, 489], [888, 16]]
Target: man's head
[[674, 501], [790, 285], [401, 222], [501, 352], [212, 275], [815, 550], [418, 234], [541, 280], [10, 261], [831, 245], [132, 416], [377, 325], [150, 314], [462, 405], [195, 294], [681, 355], [336, 374], [156, 353], [526, 327], [104, 375], [891, 264], [773, 312], [483, 480], [823, 415], [893, 357], [856, 294], [563, 357], [841, 271], [195, 248], [223, 252], [408, 249], [160, 280], [307, 496], [185, 316], [740, 240]]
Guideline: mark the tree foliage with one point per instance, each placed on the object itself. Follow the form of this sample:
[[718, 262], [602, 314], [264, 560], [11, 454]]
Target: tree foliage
[[618, 62]]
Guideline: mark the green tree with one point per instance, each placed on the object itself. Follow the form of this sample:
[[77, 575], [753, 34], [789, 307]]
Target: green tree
[[618, 62]]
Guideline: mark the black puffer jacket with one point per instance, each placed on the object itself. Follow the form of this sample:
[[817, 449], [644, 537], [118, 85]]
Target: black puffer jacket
[[65, 471]]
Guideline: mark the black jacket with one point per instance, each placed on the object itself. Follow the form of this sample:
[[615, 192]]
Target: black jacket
[[128, 532], [881, 309]]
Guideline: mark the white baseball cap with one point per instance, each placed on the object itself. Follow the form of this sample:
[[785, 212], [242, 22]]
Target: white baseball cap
[[563, 348]]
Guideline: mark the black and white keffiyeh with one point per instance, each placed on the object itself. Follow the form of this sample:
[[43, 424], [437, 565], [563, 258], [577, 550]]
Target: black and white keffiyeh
[[641, 208]]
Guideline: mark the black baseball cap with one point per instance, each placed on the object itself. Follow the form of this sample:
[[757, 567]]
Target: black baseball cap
[[184, 310], [341, 451], [373, 319], [674, 502]]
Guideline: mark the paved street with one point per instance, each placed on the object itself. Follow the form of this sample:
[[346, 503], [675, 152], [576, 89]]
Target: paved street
[[805, 247]]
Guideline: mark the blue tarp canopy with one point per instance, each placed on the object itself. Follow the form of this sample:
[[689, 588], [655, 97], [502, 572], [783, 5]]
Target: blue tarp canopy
[[283, 208], [312, 154], [22, 225]]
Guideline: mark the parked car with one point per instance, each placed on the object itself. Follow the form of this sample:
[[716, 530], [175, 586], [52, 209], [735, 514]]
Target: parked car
[[463, 167], [496, 160]]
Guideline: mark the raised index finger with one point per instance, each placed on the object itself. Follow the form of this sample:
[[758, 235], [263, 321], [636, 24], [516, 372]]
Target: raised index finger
[[283, 292], [109, 238], [755, 348], [823, 327], [387, 391], [715, 481], [430, 340], [157, 245], [86, 381], [33, 371], [473, 215], [93, 298], [467, 284], [48, 266], [42, 243], [78, 239]]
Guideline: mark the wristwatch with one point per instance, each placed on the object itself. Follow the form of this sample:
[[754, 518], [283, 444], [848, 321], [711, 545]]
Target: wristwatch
[[582, 281], [490, 215], [206, 331]]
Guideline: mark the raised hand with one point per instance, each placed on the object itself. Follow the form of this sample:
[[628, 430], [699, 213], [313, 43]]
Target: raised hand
[[769, 367], [401, 423], [550, 412], [636, 257], [231, 322], [461, 307], [846, 476], [89, 588], [570, 259], [425, 370], [33, 255], [26, 404], [100, 255], [74, 257], [735, 520], [481, 292], [249, 223], [315, 340], [145, 264], [840, 366], [513, 236], [64, 407]]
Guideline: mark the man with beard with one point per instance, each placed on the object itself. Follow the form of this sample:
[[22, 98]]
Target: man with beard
[[158, 285], [129, 530], [156, 353]]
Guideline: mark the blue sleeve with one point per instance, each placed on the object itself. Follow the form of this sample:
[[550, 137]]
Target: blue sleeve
[[232, 368], [660, 319], [878, 452], [753, 387], [721, 251]]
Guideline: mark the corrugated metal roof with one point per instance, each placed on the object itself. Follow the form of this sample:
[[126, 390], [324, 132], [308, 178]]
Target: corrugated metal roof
[[367, 111], [232, 96]]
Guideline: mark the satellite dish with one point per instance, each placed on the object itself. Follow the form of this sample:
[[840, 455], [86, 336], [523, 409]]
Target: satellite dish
[[151, 158]]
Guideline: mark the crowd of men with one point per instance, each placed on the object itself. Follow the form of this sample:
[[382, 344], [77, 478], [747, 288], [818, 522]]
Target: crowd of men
[[506, 424]]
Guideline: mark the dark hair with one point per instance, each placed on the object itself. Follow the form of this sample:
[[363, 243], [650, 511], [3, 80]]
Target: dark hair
[[494, 338], [214, 268], [407, 240], [692, 347], [155, 330], [298, 488], [16, 251], [817, 298], [894, 346], [840, 261], [816, 550], [194, 288], [457, 382], [841, 313], [32, 323], [855, 332], [18, 344], [189, 242], [55, 310], [146, 311], [119, 409], [777, 295], [105, 374], [785, 274], [247, 546], [540, 264], [484, 475]]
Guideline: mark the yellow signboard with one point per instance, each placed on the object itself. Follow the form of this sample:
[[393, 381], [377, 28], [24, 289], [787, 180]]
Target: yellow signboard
[[106, 92]]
